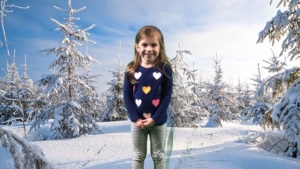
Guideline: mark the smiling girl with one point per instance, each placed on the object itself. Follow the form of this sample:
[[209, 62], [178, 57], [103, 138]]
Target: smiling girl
[[147, 93]]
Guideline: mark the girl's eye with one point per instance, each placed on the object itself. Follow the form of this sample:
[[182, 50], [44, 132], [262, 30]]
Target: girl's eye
[[144, 45], [153, 45]]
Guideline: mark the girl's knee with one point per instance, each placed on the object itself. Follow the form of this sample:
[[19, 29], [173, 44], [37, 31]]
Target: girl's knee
[[158, 156], [139, 157]]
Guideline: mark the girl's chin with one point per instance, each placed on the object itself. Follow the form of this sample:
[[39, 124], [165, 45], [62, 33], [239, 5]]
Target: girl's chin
[[148, 58]]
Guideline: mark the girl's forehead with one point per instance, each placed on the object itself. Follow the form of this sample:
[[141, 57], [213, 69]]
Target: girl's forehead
[[149, 38]]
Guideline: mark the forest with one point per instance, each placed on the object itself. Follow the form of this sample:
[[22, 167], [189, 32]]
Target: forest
[[65, 103]]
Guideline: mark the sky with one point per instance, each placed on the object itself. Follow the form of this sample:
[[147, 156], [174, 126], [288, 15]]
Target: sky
[[227, 28]]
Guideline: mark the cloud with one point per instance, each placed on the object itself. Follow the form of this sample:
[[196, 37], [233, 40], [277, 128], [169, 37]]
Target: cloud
[[234, 43], [229, 28]]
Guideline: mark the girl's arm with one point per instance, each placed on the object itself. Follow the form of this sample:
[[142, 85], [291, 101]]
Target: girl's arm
[[128, 99], [161, 113]]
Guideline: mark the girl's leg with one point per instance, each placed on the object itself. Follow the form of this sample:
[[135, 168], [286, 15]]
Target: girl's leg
[[157, 139], [139, 144]]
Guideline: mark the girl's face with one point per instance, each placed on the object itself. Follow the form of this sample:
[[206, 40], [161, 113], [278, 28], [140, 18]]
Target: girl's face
[[148, 48]]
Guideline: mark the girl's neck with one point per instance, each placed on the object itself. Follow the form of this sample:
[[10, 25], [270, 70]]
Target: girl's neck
[[147, 65]]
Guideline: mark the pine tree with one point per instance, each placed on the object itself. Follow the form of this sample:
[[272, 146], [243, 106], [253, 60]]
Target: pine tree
[[115, 109], [275, 65], [243, 98], [24, 154], [3, 12], [261, 104], [286, 113], [219, 104], [67, 89], [27, 93], [181, 112], [10, 109]]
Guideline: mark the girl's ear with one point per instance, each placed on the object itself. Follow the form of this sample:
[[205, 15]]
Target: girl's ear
[[136, 47]]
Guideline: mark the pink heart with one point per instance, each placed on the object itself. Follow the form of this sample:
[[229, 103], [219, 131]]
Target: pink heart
[[155, 102]]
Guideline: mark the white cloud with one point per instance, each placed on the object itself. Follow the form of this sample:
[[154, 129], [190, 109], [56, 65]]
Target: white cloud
[[235, 43]]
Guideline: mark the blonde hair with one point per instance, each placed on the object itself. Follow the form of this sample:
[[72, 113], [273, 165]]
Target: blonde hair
[[161, 59]]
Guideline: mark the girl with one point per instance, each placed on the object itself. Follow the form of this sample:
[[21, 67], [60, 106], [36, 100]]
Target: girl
[[147, 93]]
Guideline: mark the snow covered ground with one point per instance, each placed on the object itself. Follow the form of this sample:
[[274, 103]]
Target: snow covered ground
[[209, 148]]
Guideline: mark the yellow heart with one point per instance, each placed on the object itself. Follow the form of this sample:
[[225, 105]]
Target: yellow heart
[[146, 89]]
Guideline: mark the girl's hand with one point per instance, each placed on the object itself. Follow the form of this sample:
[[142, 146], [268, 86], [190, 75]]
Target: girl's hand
[[139, 123], [147, 122]]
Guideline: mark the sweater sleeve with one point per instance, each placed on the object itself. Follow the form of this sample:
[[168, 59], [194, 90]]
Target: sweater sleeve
[[128, 99], [167, 85]]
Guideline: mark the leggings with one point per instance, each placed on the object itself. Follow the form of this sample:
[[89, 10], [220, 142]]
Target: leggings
[[157, 136]]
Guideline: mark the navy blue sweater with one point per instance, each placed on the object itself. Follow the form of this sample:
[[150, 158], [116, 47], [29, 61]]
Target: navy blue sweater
[[150, 95]]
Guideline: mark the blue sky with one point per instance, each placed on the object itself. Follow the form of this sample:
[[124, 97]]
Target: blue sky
[[205, 27]]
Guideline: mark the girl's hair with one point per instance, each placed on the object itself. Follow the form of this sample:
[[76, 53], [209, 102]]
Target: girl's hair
[[159, 62]]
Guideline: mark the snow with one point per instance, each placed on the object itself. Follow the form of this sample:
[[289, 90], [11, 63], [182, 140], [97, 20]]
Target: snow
[[217, 148]]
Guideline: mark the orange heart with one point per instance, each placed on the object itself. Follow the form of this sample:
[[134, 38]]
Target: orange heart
[[147, 115], [146, 89]]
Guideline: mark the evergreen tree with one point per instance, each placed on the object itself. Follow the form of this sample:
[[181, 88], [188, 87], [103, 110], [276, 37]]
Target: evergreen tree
[[115, 108], [4, 10], [181, 112], [286, 113], [275, 65], [24, 154], [219, 103], [261, 104], [67, 88], [10, 109], [244, 99]]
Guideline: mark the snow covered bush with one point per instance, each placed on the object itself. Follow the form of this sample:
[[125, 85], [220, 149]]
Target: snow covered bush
[[24, 154], [274, 142], [286, 113]]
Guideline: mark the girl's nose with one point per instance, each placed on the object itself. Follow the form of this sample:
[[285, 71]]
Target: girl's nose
[[149, 47]]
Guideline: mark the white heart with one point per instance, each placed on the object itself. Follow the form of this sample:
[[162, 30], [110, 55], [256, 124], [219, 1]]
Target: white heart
[[156, 75], [137, 75], [138, 102]]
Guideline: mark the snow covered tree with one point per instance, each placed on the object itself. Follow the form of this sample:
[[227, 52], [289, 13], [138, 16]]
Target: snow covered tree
[[10, 108], [3, 12], [198, 88], [219, 104], [275, 65], [24, 154], [27, 93], [67, 89], [243, 99], [263, 101], [114, 107], [286, 113], [261, 104], [181, 112], [16, 102]]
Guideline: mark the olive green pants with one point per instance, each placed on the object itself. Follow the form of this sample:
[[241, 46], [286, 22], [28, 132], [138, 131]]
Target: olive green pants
[[157, 136]]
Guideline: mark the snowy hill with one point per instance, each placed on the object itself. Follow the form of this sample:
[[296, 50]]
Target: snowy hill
[[209, 148]]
